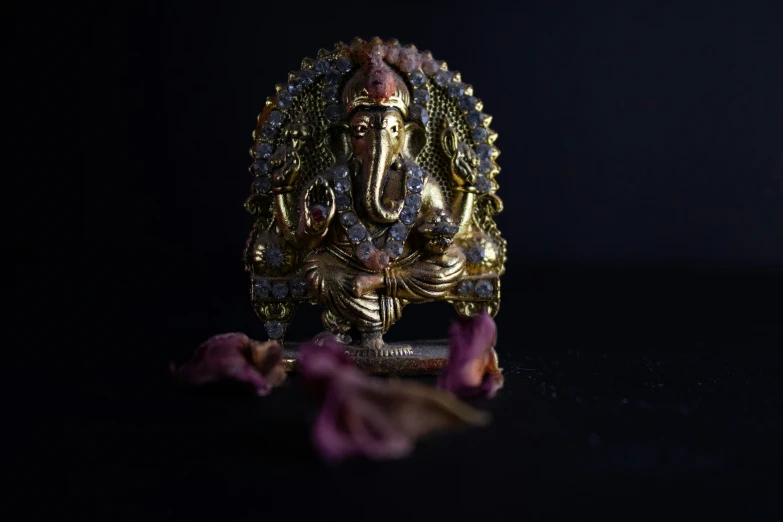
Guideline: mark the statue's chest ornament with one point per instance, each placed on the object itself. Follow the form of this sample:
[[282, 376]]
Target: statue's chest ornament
[[363, 247]]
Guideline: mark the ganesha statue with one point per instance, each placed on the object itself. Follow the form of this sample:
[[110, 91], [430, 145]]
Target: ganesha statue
[[374, 188]]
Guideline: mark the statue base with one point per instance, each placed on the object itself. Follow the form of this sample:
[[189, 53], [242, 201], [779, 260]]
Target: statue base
[[426, 358]]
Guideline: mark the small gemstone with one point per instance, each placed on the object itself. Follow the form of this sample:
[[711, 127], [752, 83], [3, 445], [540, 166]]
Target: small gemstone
[[484, 151], [399, 232], [274, 256], [279, 290], [330, 93], [417, 78], [342, 186], [343, 202], [456, 89], [298, 287], [348, 219], [483, 184], [274, 329], [284, 100], [319, 213], [413, 201], [268, 131], [260, 168], [261, 288], [479, 134], [264, 150], [343, 64], [485, 166], [340, 171], [276, 118], [356, 233], [419, 113], [468, 103], [294, 87], [306, 77], [333, 112], [321, 67], [415, 171], [421, 96], [465, 288], [447, 229], [474, 118], [408, 216], [475, 255], [333, 77], [262, 185], [364, 250], [484, 289], [443, 78], [414, 184], [394, 249]]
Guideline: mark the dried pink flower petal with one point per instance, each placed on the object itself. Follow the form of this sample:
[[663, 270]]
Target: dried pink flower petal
[[472, 369], [234, 356], [373, 417]]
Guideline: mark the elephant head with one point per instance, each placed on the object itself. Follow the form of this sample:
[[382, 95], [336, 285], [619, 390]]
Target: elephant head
[[377, 138]]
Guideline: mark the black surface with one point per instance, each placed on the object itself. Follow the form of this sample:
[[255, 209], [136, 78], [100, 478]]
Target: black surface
[[628, 393], [642, 319], [653, 434]]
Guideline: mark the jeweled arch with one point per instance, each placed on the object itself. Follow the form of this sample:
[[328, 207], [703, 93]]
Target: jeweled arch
[[374, 189]]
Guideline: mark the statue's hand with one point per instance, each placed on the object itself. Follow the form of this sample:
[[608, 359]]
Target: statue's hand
[[285, 166], [317, 207], [464, 161], [285, 162], [438, 231]]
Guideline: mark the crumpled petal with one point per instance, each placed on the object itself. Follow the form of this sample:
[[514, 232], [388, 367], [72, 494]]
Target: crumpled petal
[[234, 356], [472, 370], [373, 417]]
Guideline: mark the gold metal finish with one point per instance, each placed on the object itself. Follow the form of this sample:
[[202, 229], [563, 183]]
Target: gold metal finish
[[427, 358], [375, 187]]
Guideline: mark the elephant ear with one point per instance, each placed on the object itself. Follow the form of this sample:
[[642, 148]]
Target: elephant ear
[[339, 142], [415, 139]]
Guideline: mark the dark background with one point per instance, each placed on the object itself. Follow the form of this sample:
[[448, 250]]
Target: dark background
[[642, 174]]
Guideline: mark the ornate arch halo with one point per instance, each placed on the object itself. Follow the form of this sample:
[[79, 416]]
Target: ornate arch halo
[[309, 104]]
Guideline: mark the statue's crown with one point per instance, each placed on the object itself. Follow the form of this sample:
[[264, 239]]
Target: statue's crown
[[375, 85]]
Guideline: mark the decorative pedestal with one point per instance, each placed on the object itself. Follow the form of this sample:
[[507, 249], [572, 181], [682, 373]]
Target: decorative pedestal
[[427, 358]]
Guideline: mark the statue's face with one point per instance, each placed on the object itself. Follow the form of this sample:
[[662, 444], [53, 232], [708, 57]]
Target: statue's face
[[378, 140], [375, 128]]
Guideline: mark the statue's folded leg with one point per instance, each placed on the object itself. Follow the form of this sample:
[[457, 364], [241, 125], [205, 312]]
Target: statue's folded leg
[[428, 278], [331, 282]]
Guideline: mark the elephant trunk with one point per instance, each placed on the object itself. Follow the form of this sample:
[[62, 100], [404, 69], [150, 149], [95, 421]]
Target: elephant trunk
[[375, 165]]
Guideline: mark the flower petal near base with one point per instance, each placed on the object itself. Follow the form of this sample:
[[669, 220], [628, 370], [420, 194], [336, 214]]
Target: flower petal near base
[[373, 417], [472, 370], [234, 356]]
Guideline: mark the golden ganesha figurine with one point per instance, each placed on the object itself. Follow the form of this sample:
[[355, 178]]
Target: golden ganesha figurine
[[374, 188]]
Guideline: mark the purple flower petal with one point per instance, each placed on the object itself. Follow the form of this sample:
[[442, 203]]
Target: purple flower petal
[[371, 417], [234, 356], [472, 369]]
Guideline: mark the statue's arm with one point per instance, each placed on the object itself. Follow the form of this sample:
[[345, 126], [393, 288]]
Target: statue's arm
[[463, 175], [303, 218], [286, 222], [436, 225], [462, 208], [316, 210], [285, 166]]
